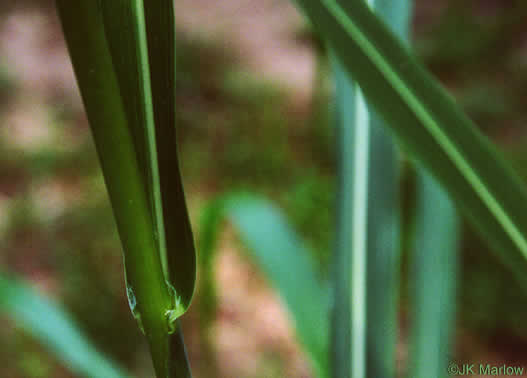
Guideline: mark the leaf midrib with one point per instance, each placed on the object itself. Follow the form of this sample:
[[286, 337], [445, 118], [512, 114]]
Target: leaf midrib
[[151, 138]]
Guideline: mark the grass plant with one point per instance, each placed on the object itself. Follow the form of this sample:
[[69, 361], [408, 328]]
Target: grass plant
[[387, 108]]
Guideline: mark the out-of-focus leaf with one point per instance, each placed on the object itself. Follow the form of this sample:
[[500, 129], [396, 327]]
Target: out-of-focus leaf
[[364, 322], [54, 328], [434, 276], [276, 249], [428, 123], [349, 328]]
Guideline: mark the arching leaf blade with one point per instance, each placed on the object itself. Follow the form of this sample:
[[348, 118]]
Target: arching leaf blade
[[280, 254], [428, 123], [54, 328]]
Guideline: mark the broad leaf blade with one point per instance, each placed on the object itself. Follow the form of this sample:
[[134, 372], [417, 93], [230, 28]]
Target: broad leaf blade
[[429, 124], [89, 50], [54, 328], [108, 44], [144, 61], [278, 251]]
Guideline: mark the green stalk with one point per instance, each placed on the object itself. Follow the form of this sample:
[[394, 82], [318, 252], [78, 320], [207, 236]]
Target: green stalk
[[86, 42], [366, 256], [108, 44], [178, 364]]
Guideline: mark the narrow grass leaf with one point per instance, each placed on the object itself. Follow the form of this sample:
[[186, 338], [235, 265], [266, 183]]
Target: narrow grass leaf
[[180, 251], [428, 123], [364, 325], [210, 227], [434, 277], [54, 328], [351, 290], [277, 250], [384, 229], [341, 315]]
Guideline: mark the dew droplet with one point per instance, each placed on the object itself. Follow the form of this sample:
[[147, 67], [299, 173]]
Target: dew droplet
[[132, 302]]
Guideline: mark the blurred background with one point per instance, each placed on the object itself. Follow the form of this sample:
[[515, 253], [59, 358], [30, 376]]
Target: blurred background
[[254, 113]]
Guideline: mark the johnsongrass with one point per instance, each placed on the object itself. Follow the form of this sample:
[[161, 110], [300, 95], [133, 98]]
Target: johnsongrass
[[128, 93], [123, 55]]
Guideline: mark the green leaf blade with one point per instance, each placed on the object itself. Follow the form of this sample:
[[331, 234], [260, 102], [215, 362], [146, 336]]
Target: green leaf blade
[[180, 252], [146, 73], [375, 330], [108, 43], [55, 329], [285, 262], [84, 31], [426, 120], [434, 272], [341, 324]]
